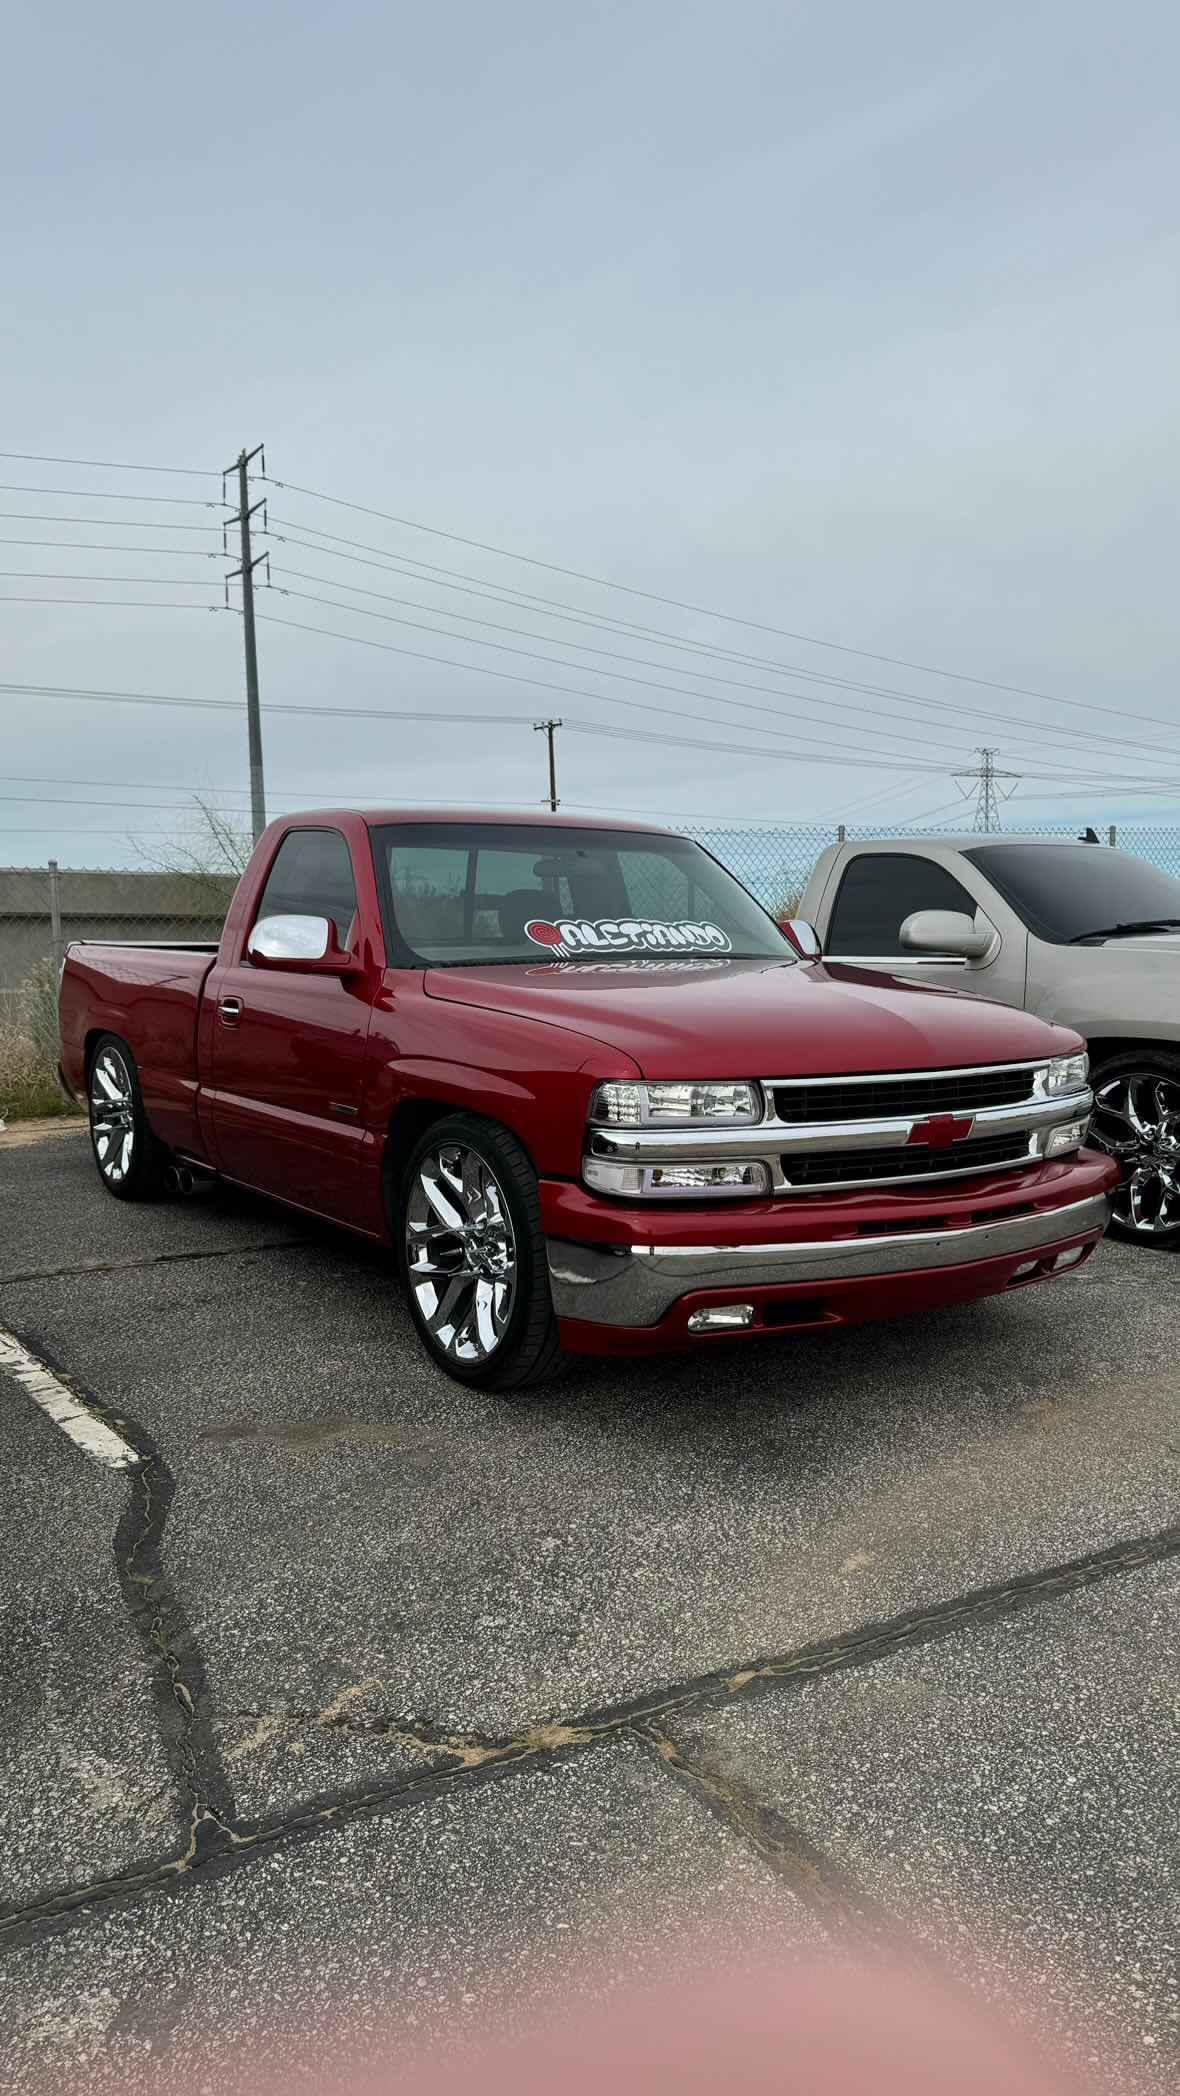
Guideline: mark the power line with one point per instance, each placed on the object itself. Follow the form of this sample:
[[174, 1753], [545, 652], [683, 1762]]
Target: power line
[[169, 699], [96, 546], [51, 575], [111, 603], [591, 669], [42, 458], [33, 516], [804, 749], [22, 487], [678, 604], [436, 714], [557, 609]]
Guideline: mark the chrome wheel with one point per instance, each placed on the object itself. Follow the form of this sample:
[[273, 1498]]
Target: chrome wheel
[[1137, 1120], [460, 1252], [112, 1116]]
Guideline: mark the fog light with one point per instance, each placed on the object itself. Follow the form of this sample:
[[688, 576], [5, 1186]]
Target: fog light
[[751, 1178], [727, 1317], [1026, 1267], [1069, 1258], [1070, 1136]]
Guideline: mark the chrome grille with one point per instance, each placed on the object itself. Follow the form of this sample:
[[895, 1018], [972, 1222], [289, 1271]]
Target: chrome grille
[[958, 1091], [856, 1167], [841, 1132]]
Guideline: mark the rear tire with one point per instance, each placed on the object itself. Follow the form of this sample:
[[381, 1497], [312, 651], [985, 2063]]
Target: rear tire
[[131, 1161], [472, 1255], [1137, 1121]]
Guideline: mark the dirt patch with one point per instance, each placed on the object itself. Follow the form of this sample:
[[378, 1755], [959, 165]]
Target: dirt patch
[[17, 1135]]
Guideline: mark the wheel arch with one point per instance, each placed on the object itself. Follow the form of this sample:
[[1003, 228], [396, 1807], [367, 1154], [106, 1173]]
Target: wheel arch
[[1107, 1048], [408, 1122]]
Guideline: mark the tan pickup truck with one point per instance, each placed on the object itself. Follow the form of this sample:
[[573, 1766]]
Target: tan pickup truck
[[1077, 933]]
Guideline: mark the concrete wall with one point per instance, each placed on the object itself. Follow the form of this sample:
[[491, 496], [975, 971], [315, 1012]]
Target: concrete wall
[[101, 905]]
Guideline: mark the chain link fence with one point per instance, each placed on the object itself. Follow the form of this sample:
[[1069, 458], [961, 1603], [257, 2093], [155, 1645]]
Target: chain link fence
[[775, 861], [43, 907]]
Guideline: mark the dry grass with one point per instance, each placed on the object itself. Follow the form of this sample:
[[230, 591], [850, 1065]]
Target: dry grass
[[787, 906], [28, 1051]]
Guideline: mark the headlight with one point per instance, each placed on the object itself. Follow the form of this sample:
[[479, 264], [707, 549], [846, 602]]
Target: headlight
[[674, 1105], [1067, 1073]]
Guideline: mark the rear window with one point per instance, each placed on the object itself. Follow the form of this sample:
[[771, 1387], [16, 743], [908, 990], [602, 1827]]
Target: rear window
[[455, 895]]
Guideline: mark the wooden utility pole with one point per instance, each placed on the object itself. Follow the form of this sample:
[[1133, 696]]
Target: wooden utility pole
[[246, 573], [549, 728]]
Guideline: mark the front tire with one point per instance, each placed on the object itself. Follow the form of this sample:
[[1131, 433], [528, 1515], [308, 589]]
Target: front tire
[[130, 1160], [1137, 1121], [472, 1254]]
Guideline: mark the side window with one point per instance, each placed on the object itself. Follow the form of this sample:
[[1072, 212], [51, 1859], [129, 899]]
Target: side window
[[311, 876], [877, 894]]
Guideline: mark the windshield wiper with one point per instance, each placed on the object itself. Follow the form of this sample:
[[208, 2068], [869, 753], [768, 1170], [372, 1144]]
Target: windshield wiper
[[1126, 931]]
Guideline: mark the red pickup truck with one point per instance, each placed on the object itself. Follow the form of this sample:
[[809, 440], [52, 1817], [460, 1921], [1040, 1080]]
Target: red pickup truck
[[584, 1085]]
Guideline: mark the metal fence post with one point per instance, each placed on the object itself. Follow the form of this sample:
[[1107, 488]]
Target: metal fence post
[[1112, 835], [55, 915]]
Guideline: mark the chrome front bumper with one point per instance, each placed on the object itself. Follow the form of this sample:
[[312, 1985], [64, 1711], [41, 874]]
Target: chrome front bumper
[[635, 1285]]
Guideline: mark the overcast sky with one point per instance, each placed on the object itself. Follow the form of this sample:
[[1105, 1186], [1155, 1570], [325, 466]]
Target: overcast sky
[[859, 321]]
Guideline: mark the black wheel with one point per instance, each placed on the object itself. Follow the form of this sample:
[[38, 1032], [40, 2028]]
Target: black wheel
[[1137, 1120], [472, 1251], [130, 1161]]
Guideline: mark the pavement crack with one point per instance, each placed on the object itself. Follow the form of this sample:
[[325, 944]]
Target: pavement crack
[[809, 1874], [176, 1672], [84, 1267], [218, 1840]]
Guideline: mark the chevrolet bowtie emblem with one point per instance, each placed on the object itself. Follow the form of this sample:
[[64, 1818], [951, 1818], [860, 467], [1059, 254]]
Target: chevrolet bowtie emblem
[[941, 1130]]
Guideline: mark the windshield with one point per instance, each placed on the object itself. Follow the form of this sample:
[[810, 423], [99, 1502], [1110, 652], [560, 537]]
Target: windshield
[[458, 894], [1063, 891]]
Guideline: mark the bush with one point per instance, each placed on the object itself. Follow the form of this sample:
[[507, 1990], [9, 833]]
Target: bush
[[29, 1050]]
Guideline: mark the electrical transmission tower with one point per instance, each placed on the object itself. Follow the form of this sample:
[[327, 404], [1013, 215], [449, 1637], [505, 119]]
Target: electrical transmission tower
[[988, 794]]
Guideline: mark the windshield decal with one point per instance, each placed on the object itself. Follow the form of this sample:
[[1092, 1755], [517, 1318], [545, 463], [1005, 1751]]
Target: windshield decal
[[569, 936]]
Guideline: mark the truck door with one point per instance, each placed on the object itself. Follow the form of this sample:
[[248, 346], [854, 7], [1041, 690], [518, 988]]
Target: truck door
[[878, 889], [283, 1100]]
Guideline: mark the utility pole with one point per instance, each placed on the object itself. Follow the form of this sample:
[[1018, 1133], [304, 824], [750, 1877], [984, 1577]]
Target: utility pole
[[989, 796], [246, 573], [549, 728]]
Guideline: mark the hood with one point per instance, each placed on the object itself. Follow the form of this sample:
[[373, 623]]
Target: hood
[[756, 1018], [1132, 948]]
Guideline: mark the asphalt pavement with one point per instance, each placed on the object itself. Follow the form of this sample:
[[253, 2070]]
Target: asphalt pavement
[[363, 1705]]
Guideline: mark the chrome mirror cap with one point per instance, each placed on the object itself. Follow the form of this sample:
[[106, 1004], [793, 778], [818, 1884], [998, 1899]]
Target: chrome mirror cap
[[281, 939]]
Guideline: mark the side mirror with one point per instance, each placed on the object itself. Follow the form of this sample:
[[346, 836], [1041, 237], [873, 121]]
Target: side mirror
[[946, 932], [802, 936], [301, 945]]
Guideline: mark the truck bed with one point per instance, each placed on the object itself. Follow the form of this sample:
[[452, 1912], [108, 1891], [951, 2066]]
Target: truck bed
[[149, 994]]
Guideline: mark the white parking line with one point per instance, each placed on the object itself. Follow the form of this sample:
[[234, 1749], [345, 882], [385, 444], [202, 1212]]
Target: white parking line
[[84, 1427]]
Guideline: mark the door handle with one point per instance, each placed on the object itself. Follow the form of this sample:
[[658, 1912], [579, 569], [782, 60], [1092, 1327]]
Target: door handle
[[229, 1010]]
